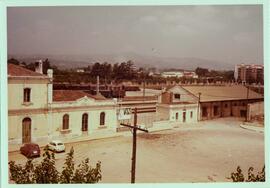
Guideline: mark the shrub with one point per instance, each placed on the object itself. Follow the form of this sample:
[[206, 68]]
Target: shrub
[[46, 172]]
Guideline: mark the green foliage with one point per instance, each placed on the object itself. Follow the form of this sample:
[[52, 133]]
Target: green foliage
[[239, 177], [13, 61], [68, 169], [86, 174], [22, 174], [46, 172]]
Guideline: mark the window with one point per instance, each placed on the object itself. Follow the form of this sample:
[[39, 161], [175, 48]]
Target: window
[[226, 105], [177, 96], [176, 116], [102, 118], [26, 94], [184, 117], [191, 114], [65, 122], [204, 111], [84, 122]]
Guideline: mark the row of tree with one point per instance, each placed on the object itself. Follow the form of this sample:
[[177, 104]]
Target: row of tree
[[125, 71]]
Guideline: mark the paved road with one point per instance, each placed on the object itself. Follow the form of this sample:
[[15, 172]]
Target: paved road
[[207, 152]]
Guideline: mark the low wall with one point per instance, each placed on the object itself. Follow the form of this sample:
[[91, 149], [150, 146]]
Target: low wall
[[255, 110]]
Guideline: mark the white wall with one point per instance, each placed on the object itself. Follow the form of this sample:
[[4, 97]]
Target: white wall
[[38, 95]]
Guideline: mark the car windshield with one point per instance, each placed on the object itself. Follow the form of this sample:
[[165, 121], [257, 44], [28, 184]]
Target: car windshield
[[59, 144]]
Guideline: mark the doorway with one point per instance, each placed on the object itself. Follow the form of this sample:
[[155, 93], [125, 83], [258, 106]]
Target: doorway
[[26, 130]]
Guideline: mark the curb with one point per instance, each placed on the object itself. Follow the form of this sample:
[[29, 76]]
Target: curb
[[252, 128], [41, 146]]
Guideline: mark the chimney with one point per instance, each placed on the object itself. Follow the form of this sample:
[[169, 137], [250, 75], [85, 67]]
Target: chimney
[[50, 85], [38, 66]]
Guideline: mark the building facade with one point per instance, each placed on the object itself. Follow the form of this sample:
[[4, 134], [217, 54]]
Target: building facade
[[249, 73], [37, 113], [223, 101], [177, 105]]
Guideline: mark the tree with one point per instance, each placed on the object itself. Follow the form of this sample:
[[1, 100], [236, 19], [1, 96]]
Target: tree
[[201, 72], [46, 172], [14, 61], [239, 177]]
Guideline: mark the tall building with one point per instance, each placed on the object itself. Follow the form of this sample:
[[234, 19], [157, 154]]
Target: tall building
[[249, 73]]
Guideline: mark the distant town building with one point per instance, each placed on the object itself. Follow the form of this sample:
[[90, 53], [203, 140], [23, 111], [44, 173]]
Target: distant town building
[[179, 74], [169, 74], [190, 74], [80, 70], [249, 73]]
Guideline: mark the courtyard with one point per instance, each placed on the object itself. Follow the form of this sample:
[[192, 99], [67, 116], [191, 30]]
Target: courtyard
[[207, 151]]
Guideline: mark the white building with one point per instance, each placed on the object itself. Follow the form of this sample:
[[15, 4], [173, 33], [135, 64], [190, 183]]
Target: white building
[[169, 74], [37, 113], [177, 105]]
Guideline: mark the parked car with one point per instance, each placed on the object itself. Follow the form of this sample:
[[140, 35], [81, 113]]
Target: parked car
[[30, 150], [57, 146]]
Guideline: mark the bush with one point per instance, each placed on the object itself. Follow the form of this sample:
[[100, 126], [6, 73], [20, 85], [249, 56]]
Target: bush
[[46, 172], [239, 177]]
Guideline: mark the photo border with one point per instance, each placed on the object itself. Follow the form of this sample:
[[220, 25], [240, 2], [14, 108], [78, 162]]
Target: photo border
[[4, 4]]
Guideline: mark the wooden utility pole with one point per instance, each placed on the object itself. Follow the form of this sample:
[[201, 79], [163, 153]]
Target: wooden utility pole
[[134, 145], [247, 103], [198, 108]]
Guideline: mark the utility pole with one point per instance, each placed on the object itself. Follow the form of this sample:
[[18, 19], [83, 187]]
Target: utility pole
[[198, 108], [247, 103], [97, 92], [134, 145], [144, 89]]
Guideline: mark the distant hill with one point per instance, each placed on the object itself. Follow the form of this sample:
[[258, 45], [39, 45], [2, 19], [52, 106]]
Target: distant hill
[[73, 61]]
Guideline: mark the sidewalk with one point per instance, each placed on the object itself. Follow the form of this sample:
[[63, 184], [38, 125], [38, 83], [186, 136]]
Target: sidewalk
[[16, 147], [252, 128]]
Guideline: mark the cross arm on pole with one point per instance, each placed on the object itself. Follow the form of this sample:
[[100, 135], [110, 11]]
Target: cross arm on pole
[[133, 127]]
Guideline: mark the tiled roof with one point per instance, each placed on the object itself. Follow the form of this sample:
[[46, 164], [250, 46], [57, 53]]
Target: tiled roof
[[15, 70], [222, 93], [72, 95], [139, 98]]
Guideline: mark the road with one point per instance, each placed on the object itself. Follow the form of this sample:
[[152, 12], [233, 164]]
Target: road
[[206, 152]]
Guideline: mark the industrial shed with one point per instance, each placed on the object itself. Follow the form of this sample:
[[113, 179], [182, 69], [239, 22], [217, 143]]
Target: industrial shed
[[223, 101]]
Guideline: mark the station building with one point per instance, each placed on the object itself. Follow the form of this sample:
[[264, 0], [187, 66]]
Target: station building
[[37, 113]]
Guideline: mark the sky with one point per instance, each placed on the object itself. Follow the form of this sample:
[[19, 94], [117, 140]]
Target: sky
[[223, 33]]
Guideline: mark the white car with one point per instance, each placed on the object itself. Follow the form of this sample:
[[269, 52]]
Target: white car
[[57, 146]]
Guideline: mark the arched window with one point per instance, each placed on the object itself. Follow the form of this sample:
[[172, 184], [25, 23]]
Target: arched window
[[26, 95], [65, 122], [176, 116], [26, 130], [85, 122], [102, 118]]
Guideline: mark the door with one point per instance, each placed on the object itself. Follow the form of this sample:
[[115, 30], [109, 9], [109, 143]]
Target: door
[[184, 117], [243, 113], [176, 116], [26, 130]]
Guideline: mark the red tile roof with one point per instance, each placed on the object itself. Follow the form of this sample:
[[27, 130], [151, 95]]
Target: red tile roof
[[15, 70], [139, 98], [72, 95]]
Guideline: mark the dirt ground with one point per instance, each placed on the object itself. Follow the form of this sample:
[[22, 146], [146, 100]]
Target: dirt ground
[[204, 152]]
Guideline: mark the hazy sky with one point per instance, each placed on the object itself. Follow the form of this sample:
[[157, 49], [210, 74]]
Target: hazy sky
[[222, 33]]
